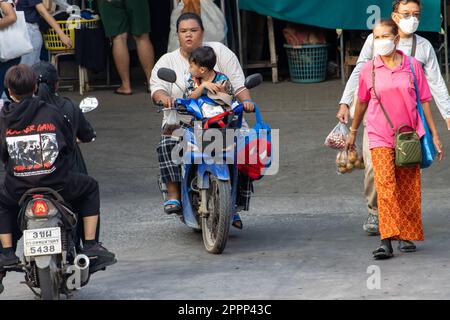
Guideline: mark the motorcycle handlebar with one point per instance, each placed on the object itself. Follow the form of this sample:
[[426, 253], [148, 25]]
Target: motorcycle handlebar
[[180, 108]]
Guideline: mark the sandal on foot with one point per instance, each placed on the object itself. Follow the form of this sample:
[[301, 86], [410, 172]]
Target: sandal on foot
[[382, 252], [406, 246], [122, 93], [237, 222], [172, 206]]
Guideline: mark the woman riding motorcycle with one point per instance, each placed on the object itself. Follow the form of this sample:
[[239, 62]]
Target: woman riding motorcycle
[[190, 32]]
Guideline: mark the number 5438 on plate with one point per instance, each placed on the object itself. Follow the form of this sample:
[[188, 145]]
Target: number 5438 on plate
[[39, 242]]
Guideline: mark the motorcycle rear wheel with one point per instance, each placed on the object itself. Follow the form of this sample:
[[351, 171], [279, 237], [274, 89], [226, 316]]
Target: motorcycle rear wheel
[[216, 226], [49, 282]]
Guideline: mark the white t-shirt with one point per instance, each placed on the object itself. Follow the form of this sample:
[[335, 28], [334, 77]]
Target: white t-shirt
[[227, 63]]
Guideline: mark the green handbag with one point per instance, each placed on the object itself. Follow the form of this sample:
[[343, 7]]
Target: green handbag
[[408, 150]]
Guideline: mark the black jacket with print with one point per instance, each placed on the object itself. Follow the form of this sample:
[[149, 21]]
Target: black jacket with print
[[36, 146]]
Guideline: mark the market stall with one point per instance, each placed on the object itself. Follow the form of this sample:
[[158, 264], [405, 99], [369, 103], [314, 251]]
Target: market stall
[[343, 15]]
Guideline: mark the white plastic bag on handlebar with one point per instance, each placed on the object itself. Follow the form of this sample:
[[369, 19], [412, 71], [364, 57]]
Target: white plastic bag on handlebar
[[209, 110], [171, 117], [213, 20]]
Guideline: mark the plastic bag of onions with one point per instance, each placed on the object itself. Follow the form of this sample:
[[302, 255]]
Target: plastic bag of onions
[[337, 138]]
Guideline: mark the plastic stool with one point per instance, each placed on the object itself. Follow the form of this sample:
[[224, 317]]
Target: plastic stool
[[82, 72]]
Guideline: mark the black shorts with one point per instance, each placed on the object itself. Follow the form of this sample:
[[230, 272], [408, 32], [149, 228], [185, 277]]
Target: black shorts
[[80, 191]]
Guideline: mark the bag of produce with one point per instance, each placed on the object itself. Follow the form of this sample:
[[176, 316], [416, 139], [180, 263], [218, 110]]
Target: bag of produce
[[348, 160], [337, 137]]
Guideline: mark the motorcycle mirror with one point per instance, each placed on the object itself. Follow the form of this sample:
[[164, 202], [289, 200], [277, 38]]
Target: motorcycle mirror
[[167, 75], [253, 80], [88, 104]]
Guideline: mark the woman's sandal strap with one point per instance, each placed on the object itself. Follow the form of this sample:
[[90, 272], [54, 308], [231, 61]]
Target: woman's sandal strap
[[172, 202]]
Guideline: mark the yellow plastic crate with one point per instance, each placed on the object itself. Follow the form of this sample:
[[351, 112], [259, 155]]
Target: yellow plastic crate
[[52, 41]]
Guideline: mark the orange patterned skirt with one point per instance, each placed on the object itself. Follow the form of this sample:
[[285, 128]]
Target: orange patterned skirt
[[399, 197]]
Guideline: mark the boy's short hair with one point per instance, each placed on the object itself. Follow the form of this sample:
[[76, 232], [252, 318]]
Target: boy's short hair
[[21, 81], [204, 57]]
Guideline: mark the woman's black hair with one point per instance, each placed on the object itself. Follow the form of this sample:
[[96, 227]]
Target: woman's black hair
[[389, 23], [189, 16], [47, 79]]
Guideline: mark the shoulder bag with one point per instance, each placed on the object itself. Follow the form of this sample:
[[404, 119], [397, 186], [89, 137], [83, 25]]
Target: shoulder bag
[[428, 149], [408, 150], [14, 39]]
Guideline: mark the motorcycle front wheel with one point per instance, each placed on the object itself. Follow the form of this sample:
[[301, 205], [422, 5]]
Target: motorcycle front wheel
[[216, 225]]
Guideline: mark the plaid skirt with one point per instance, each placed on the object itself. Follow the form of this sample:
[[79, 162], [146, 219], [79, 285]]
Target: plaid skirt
[[171, 171]]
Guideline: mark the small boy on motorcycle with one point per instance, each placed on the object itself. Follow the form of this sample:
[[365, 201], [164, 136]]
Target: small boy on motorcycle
[[205, 81], [37, 148]]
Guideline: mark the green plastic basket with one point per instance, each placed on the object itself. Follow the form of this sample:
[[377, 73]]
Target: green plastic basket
[[307, 63]]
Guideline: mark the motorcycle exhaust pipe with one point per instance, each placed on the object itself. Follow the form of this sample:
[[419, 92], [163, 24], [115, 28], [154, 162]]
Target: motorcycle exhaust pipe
[[82, 264]]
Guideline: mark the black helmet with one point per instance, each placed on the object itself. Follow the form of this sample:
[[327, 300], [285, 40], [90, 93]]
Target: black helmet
[[46, 73]]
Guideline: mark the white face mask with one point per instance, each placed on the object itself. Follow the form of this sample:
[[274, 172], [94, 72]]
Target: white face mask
[[383, 47], [410, 25]]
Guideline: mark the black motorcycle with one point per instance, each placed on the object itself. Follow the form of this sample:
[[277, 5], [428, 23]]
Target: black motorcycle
[[52, 262]]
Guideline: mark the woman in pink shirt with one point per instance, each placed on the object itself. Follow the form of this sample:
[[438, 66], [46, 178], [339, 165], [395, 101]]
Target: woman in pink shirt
[[399, 191]]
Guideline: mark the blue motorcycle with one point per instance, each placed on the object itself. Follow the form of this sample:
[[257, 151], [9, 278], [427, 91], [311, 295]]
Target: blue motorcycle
[[210, 180]]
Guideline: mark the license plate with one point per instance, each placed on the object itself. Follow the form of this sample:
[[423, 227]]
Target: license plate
[[40, 242]]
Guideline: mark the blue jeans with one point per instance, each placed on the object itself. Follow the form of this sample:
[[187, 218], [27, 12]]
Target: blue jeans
[[4, 66], [36, 40]]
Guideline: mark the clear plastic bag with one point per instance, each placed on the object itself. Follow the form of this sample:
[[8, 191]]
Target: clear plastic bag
[[349, 160], [171, 122], [337, 138]]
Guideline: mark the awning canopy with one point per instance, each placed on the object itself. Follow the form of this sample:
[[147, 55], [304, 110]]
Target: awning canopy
[[343, 14]]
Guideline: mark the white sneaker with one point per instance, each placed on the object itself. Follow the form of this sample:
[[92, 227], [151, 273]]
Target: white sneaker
[[371, 225]]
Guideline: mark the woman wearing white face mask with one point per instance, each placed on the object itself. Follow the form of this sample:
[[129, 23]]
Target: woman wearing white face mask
[[406, 14], [387, 92]]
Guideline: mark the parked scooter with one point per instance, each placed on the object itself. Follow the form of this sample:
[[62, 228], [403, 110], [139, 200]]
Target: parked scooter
[[51, 261], [210, 183]]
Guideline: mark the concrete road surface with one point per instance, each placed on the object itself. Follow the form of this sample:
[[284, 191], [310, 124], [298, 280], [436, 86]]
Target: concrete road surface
[[302, 239]]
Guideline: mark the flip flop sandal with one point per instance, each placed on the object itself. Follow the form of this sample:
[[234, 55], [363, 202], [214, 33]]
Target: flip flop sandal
[[172, 206], [382, 252], [122, 93], [406, 246], [237, 222]]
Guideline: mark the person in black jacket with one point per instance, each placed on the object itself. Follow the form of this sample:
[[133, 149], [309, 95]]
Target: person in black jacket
[[48, 83], [37, 147]]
